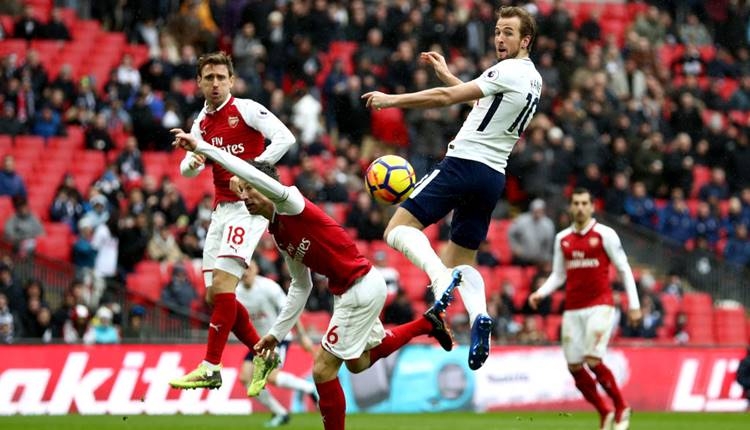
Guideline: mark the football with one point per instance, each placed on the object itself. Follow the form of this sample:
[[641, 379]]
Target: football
[[390, 179]]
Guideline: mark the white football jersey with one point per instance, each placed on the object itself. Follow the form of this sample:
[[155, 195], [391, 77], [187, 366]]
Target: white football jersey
[[263, 302], [511, 91]]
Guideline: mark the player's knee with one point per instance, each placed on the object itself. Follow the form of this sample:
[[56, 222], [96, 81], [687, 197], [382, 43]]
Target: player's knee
[[593, 361], [575, 367]]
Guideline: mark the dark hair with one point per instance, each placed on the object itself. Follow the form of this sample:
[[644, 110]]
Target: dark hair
[[528, 24], [581, 190], [265, 167], [215, 58]]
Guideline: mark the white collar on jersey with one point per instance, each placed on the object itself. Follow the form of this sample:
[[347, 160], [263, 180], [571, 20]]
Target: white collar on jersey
[[211, 112], [586, 228]]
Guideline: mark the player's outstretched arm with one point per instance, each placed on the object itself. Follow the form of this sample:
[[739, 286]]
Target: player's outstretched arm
[[431, 98], [299, 290], [257, 179]]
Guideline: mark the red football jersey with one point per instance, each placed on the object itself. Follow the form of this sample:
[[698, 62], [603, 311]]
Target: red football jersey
[[320, 243], [229, 128], [586, 265]]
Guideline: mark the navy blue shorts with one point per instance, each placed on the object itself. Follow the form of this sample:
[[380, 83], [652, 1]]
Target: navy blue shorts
[[470, 188], [281, 349]]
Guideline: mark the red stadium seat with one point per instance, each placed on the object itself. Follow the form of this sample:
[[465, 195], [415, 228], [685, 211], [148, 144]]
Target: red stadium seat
[[388, 125], [6, 144], [55, 247], [6, 207], [552, 324], [143, 288], [729, 326], [315, 323], [701, 176]]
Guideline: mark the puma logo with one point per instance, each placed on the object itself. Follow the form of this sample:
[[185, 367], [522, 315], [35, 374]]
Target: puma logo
[[214, 326]]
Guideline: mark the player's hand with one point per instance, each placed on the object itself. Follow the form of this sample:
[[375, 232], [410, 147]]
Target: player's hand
[[196, 160], [438, 64], [534, 300], [376, 100], [183, 140], [266, 345], [634, 317], [306, 343], [235, 185]]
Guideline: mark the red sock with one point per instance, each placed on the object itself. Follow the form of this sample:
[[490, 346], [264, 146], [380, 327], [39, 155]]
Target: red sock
[[587, 386], [607, 380], [243, 328], [222, 320], [332, 404], [399, 336]]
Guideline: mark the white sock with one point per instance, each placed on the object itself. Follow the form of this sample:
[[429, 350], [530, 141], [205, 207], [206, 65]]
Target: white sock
[[416, 247], [268, 400], [212, 366], [287, 380], [472, 291]]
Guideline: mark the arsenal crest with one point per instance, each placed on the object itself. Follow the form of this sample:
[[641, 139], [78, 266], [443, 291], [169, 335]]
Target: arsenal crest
[[233, 121], [594, 241]]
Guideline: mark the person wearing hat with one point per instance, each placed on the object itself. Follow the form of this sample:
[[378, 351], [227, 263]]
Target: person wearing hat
[[531, 236], [101, 330]]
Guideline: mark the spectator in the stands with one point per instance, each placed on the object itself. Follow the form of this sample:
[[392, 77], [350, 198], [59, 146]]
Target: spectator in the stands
[[740, 98], [707, 223], [163, 246], [334, 187], [486, 255], [75, 328], [11, 287], [737, 249], [648, 167], [648, 327], [134, 330], [694, 32], [134, 235], [7, 321], [400, 310], [27, 26], [23, 228], [679, 163], [130, 162], [531, 236], [128, 75], [101, 330], [97, 135], [717, 189], [617, 193], [735, 216], [640, 207], [9, 122], [65, 209], [55, 28], [48, 123], [179, 293], [674, 220], [11, 183]]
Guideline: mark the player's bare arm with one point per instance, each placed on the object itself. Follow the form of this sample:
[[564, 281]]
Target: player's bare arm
[[438, 64], [431, 98]]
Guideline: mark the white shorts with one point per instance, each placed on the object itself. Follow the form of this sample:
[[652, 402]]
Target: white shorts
[[586, 332], [355, 325], [231, 239]]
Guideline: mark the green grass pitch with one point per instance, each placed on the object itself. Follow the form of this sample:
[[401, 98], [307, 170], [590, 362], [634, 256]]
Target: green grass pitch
[[441, 421]]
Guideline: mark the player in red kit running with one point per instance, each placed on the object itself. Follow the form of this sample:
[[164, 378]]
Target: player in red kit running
[[240, 127], [310, 240], [582, 255]]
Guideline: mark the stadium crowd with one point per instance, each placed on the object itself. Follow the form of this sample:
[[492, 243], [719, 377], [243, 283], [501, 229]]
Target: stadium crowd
[[646, 104]]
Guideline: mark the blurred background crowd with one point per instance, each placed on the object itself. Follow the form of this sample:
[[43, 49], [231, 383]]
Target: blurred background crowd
[[645, 103]]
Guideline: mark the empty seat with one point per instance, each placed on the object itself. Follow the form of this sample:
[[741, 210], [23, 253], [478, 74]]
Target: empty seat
[[55, 247], [143, 288], [729, 326], [315, 323]]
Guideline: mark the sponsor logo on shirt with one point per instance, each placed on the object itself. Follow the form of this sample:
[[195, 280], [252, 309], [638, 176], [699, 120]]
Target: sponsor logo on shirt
[[299, 252], [583, 263]]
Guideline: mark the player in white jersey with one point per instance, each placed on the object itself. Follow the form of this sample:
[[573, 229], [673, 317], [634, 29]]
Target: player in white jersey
[[239, 127], [583, 253], [263, 298], [471, 177]]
